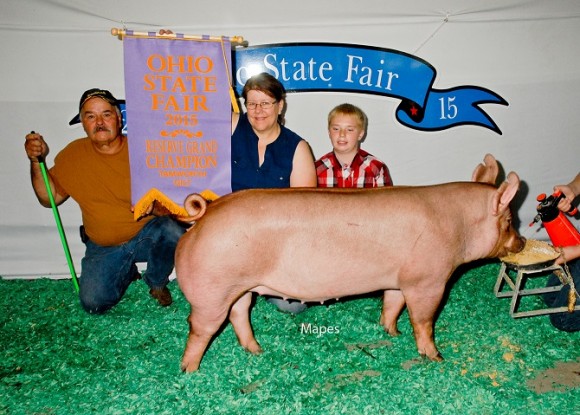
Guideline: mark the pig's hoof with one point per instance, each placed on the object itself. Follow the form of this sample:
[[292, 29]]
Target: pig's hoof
[[189, 367], [436, 358], [254, 349], [393, 332]]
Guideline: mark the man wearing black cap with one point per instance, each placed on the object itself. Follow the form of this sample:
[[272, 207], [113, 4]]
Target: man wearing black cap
[[94, 171]]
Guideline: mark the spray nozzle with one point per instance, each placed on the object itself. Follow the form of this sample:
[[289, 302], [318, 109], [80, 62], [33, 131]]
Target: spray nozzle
[[548, 207], [536, 220]]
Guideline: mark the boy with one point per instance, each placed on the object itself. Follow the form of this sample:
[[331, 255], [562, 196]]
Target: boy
[[348, 165]]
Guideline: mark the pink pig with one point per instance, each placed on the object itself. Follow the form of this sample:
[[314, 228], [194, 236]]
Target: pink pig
[[320, 244]]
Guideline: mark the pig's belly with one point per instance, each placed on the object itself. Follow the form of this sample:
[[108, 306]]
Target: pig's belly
[[317, 293], [292, 294], [320, 278]]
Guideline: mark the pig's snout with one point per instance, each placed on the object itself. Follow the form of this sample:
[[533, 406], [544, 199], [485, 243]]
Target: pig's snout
[[520, 244], [514, 244], [509, 242]]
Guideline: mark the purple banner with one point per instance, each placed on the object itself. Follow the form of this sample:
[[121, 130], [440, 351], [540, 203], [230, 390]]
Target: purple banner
[[179, 108]]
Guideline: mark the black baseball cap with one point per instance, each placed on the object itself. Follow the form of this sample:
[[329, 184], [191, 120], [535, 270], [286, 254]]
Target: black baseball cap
[[92, 93]]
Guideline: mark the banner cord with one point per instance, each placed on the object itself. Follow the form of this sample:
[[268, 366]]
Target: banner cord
[[233, 98]]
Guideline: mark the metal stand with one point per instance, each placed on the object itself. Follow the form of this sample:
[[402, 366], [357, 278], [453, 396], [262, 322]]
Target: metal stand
[[518, 289]]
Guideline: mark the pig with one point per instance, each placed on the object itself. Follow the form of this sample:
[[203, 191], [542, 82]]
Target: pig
[[319, 244]]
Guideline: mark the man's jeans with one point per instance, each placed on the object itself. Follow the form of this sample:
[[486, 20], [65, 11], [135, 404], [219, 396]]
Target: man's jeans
[[564, 321], [107, 271]]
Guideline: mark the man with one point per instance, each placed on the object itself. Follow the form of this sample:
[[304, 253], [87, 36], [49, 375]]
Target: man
[[571, 257], [94, 171]]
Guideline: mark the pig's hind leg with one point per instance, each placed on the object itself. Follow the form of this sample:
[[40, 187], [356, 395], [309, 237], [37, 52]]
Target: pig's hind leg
[[240, 319], [393, 304], [203, 324]]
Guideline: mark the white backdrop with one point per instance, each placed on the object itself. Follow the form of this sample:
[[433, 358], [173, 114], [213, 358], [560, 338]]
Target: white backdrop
[[525, 51]]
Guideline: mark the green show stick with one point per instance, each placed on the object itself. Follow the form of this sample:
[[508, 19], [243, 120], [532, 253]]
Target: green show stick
[[58, 223]]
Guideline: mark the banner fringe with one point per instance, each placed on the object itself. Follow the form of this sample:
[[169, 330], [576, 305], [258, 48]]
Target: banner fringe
[[155, 195]]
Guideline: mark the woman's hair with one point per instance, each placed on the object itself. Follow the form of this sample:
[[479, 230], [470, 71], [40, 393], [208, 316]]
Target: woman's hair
[[349, 109], [266, 83]]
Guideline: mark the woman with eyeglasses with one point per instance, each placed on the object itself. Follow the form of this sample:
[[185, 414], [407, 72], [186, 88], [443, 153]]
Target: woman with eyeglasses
[[266, 154]]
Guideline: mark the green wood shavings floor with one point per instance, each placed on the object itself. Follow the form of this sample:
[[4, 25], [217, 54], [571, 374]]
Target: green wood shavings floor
[[57, 359]]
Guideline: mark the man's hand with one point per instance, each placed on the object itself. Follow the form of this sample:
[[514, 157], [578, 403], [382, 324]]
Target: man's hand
[[570, 191], [35, 147], [155, 209], [569, 253]]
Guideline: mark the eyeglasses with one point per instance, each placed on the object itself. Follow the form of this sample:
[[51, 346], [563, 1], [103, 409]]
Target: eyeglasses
[[264, 105]]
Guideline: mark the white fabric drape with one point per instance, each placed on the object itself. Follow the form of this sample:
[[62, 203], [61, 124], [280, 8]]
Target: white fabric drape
[[526, 51]]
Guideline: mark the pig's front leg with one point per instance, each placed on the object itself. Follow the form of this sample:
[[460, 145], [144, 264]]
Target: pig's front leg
[[393, 304], [422, 305], [240, 319]]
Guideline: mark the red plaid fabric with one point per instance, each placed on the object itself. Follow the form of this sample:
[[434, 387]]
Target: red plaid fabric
[[365, 171]]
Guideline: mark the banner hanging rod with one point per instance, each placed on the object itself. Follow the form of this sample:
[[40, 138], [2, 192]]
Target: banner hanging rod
[[234, 40]]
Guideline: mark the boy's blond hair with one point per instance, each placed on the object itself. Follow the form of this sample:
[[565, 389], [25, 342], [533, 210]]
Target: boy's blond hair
[[349, 109]]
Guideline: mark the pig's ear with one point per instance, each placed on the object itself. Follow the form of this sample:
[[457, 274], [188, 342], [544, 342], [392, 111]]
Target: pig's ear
[[487, 171], [505, 193]]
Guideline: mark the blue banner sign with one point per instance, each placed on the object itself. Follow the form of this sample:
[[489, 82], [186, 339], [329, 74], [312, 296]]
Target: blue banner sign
[[369, 70]]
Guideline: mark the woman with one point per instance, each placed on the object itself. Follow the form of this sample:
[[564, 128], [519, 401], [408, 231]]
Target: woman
[[265, 154]]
